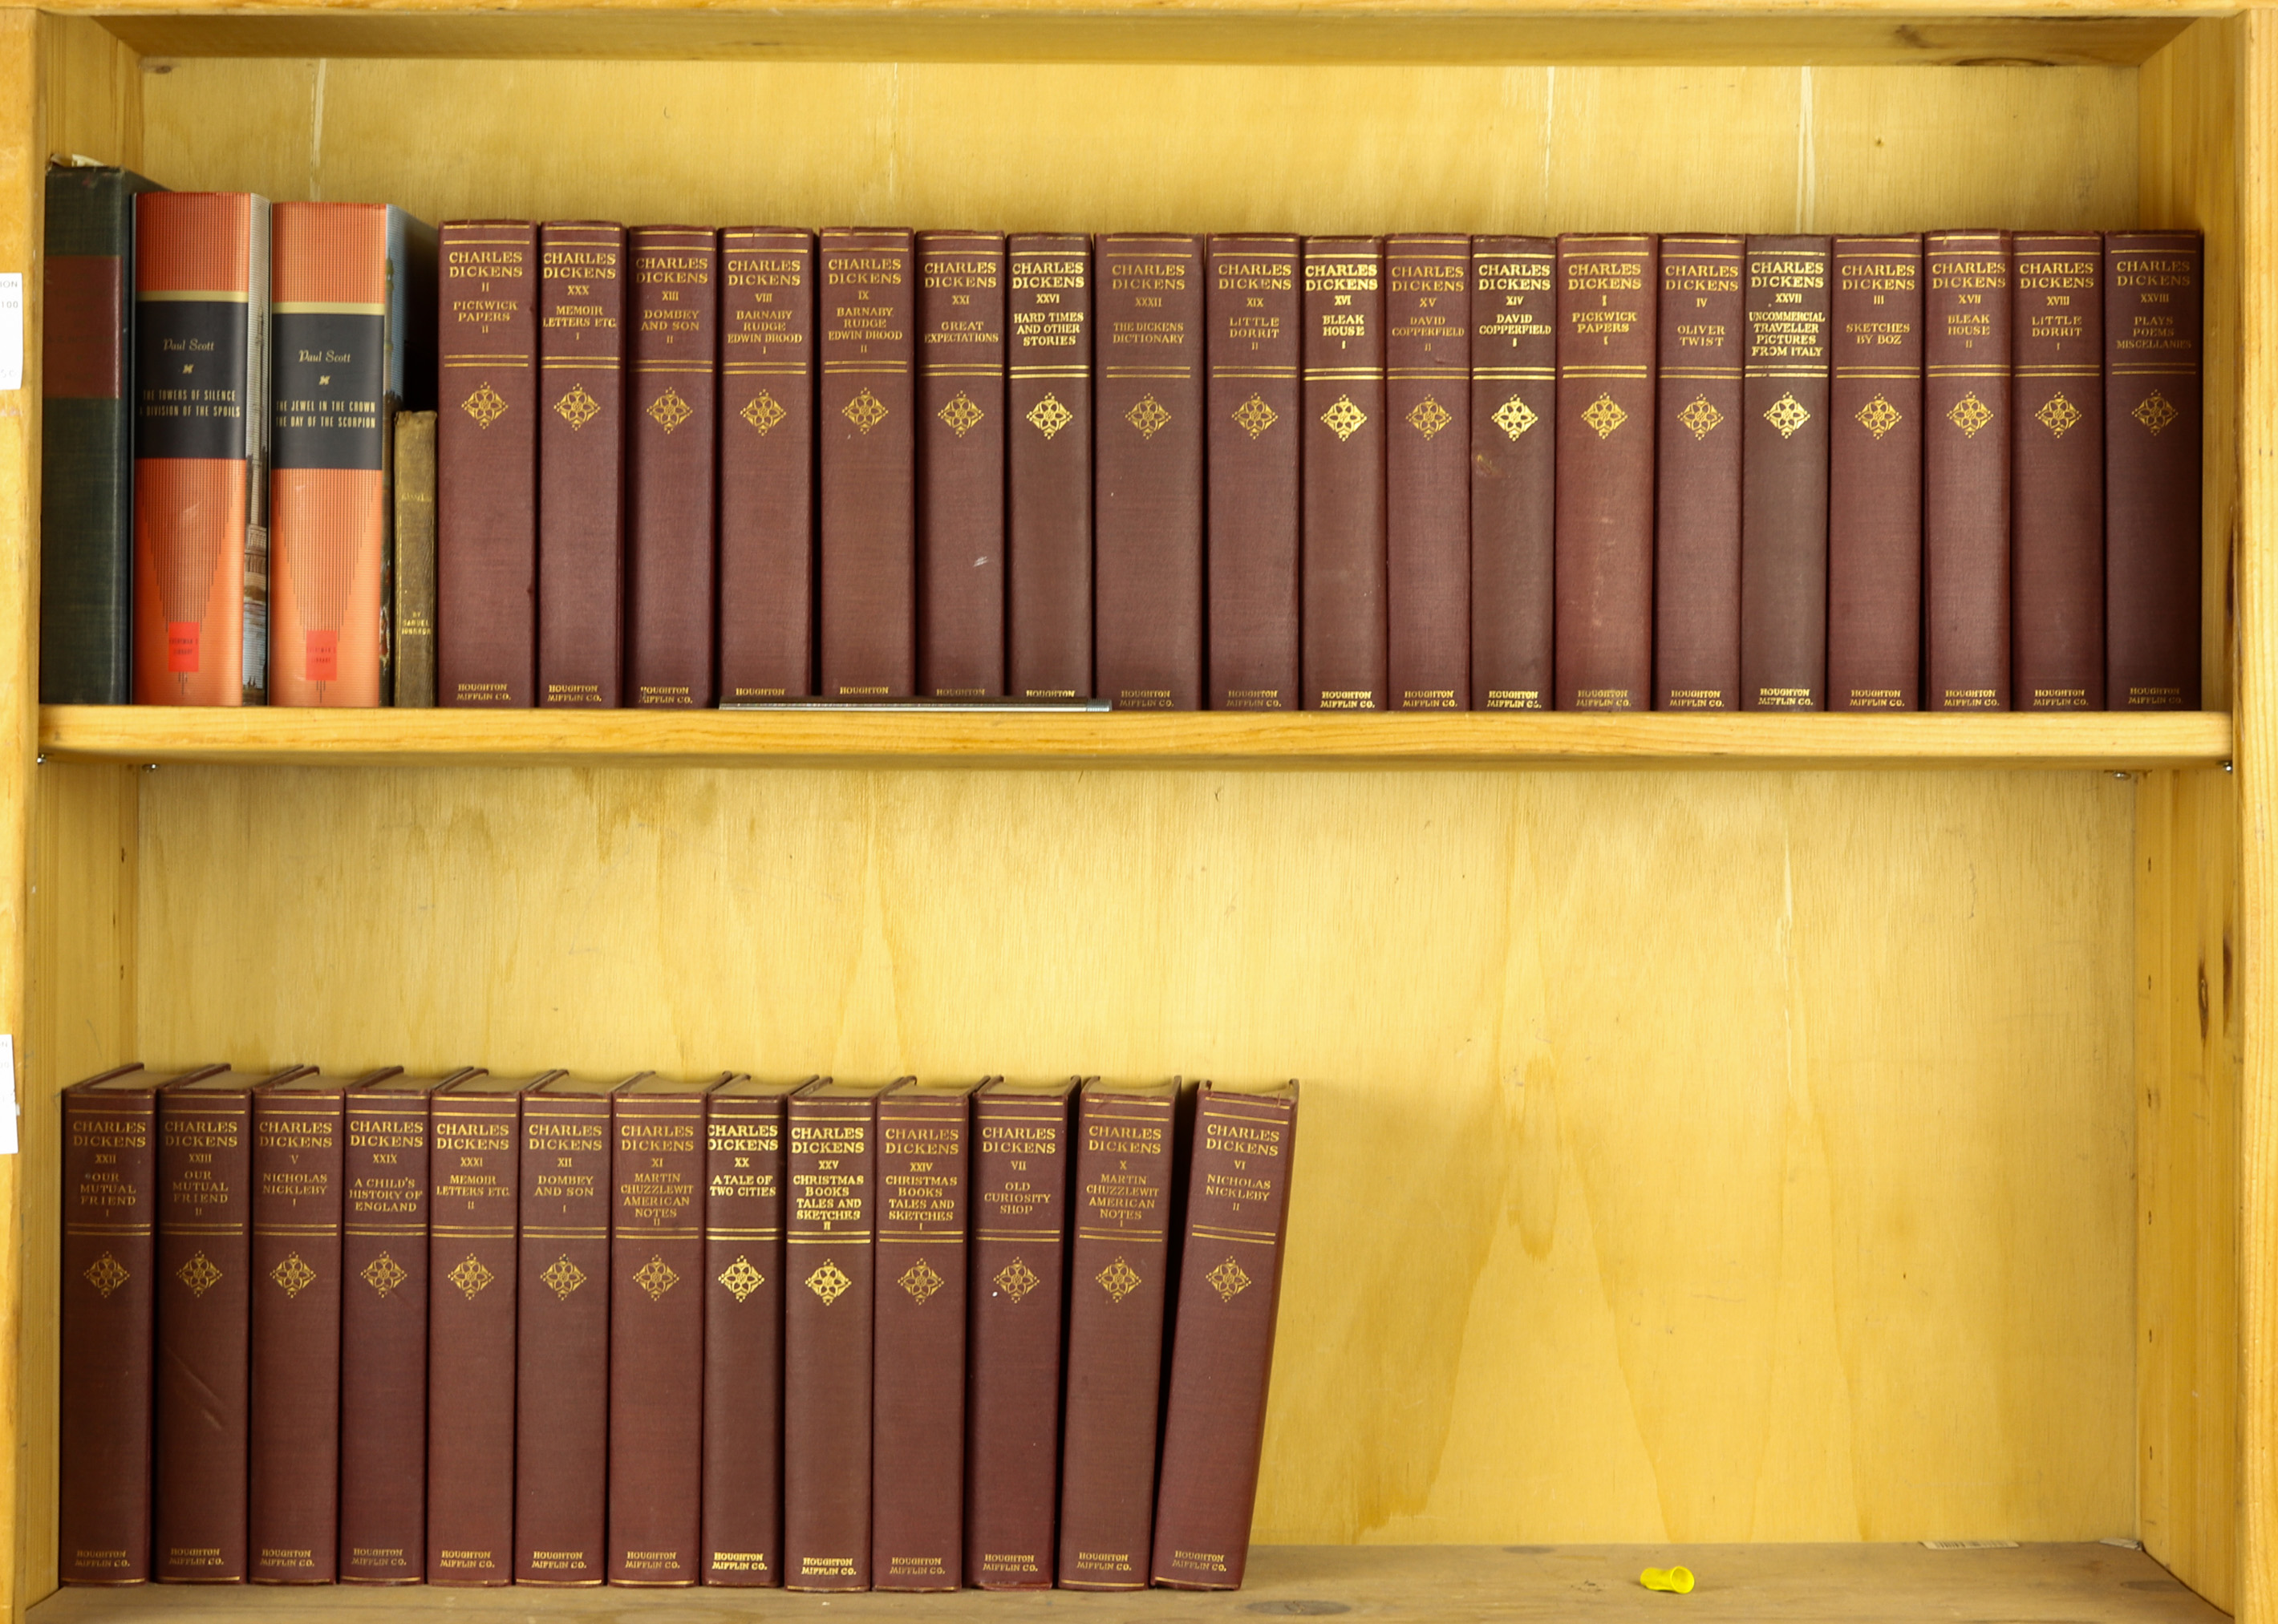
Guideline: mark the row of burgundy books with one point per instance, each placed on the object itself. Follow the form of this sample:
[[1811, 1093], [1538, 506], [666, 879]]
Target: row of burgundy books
[[554, 1330]]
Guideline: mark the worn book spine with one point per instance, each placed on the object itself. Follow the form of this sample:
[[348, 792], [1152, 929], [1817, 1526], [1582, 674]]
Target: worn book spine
[[205, 1277], [2056, 442], [1874, 476], [671, 457], [960, 354], [867, 426], [383, 1337], [562, 1339], [103, 1375], [201, 448], [1341, 613], [295, 1457], [412, 683], [1427, 540], [767, 464], [1965, 469], [743, 1342], [1022, 1150], [1048, 468], [1703, 340], [1784, 491], [656, 1342], [1514, 471], [1606, 311], [1255, 350], [475, 1185], [1146, 565], [828, 1312], [487, 466], [86, 440], [917, 1537], [1229, 1289], [2154, 426], [581, 463], [1118, 1263]]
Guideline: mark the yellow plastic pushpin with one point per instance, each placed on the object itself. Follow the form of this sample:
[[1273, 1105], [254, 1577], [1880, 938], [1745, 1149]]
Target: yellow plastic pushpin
[[1676, 1581]]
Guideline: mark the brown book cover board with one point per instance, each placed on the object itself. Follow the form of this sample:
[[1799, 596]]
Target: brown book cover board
[[1244, 1142], [2056, 441], [766, 463], [581, 463], [1874, 476], [1119, 1267], [1427, 540], [1703, 343], [1784, 488], [672, 366], [1514, 471], [867, 428], [1022, 1151], [1047, 466], [961, 464], [2154, 427], [1255, 348], [1341, 613], [1966, 354], [411, 681]]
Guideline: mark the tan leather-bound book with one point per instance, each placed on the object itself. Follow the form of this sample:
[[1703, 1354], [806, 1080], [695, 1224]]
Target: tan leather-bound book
[[474, 1204], [1608, 295], [1699, 428], [581, 464], [766, 463], [743, 1332], [1340, 620], [1022, 1151], [1965, 469], [2154, 427], [1783, 505], [1147, 563], [925, 1164], [1874, 476], [1254, 303], [1244, 1144], [1119, 1268], [867, 423], [656, 1331], [109, 1283], [561, 1334], [1048, 468], [1427, 535], [411, 658], [961, 464], [384, 1288], [1514, 471], [830, 1270], [2056, 493], [672, 366]]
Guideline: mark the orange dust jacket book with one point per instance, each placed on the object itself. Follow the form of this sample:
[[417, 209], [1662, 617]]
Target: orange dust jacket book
[[201, 448], [351, 322]]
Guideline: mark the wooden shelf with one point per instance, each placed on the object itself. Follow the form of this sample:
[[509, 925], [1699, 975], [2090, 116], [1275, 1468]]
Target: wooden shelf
[[1745, 1584]]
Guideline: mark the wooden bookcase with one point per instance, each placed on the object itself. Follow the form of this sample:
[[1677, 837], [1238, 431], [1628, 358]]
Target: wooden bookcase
[[1761, 1166]]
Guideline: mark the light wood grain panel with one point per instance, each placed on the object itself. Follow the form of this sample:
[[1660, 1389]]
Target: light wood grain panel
[[1737, 1155], [91, 91]]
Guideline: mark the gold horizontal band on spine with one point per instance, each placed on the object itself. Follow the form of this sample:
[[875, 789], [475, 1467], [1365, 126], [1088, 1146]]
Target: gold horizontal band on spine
[[387, 1229], [1605, 372], [1967, 372], [201, 1228], [659, 366], [765, 368], [492, 1232], [715, 1232], [634, 1237], [485, 361], [1051, 1236], [297, 1229], [490, 242], [1365, 373], [959, 370], [1540, 374], [2141, 370], [1129, 374], [834, 368], [924, 1237], [1048, 371], [1707, 372], [2059, 371], [1428, 374], [559, 1234], [1253, 372], [817, 1238], [1900, 373], [110, 1229], [582, 365], [1129, 1234], [1754, 372], [1210, 1232]]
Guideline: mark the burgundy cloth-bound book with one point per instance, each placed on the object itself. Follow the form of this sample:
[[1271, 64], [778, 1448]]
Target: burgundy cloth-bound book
[[2154, 426], [1147, 562], [1427, 473], [581, 463], [2056, 495], [1874, 476], [961, 464], [829, 1312], [656, 1331], [1340, 619], [1229, 1289], [1048, 469], [766, 463], [1965, 469], [1784, 488], [867, 426], [1606, 288], [1255, 452], [1118, 1271], [110, 1278], [672, 366], [383, 1329], [925, 1160], [487, 466], [742, 1332], [1514, 471], [1021, 1149], [1704, 327]]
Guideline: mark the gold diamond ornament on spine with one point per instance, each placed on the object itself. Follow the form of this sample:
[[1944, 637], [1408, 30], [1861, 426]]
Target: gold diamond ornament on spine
[[741, 1278], [865, 411], [828, 1283], [1515, 417], [669, 410], [1427, 417], [1118, 1280], [2155, 411], [1050, 416], [1970, 413], [1148, 416], [577, 408], [1787, 415], [1344, 418], [656, 1277], [1016, 1280], [1700, 417], [1603, 416], [1253, 416], [919, 1281], [293, 1275], [762, 412], [470, 1276], [563, 1277], [106, 1274], [1878, 416], [2058, 416], [485, 406], [1228, 1279], [199, 1274], [961, 413], [384, 1274]]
